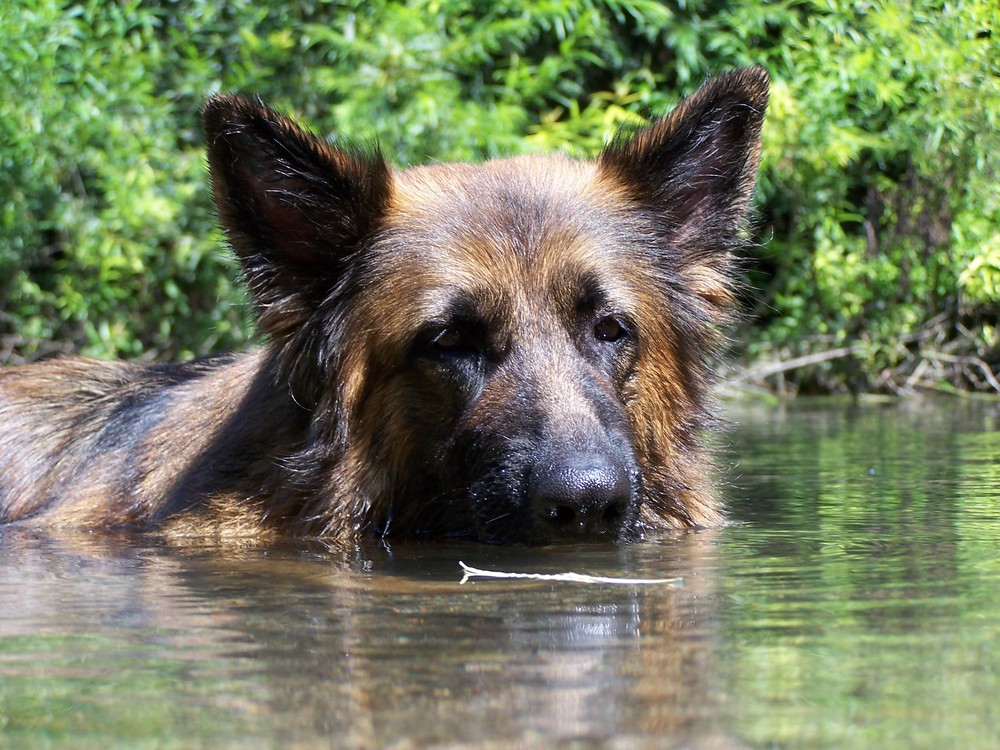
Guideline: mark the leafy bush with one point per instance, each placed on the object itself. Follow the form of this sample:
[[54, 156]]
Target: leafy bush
[[107, 242], [881, 188], [879, 200]]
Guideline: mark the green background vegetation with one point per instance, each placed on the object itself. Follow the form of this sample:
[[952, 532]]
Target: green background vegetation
[[879, 205]]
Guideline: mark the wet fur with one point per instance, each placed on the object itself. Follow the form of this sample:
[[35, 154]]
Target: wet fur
[[353, 418]]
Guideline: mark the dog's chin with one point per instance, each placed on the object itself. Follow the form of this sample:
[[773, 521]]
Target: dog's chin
[[501, 518], [537, 535]]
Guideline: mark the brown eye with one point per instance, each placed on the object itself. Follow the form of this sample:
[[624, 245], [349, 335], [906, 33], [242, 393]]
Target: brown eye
[[609, 329], [447, 339]]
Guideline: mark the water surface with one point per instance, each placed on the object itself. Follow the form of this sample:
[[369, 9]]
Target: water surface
[[855, 605]]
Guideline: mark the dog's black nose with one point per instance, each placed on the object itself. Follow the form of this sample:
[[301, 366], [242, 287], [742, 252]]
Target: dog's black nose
[[583, 497]]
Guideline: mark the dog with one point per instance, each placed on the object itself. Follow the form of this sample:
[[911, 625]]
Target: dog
[[517, 351]]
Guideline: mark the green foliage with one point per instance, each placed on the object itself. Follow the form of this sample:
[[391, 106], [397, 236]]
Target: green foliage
[[107, 241], [881, 179], [880, 208]]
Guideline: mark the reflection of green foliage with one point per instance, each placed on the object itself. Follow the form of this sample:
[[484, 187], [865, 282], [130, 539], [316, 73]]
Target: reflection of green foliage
[[72, 696], [880, 198], [862, 608]]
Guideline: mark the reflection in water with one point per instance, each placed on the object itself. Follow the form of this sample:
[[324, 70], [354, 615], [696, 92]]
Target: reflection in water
[[367, 647], [861, 607], [855, 606]]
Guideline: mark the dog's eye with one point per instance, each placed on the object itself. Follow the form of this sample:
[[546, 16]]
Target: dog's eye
[[447, 339], [449, 342], [609, 329]]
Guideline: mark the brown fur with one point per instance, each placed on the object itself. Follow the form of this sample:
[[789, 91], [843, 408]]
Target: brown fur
[[450, 348]]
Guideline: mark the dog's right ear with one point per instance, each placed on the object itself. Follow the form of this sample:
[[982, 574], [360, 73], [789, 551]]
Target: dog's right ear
[[293, 207], [694, 172]]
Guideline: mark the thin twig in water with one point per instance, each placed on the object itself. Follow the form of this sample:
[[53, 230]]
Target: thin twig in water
[[469, 572]]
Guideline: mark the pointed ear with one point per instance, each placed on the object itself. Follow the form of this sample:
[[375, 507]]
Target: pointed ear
[[293, 207], [695, 170]]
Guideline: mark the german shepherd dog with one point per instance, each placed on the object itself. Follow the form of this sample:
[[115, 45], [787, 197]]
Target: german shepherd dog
[[516, 351]]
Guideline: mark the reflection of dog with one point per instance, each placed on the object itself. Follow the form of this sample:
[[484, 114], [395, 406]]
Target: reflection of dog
[[513, 351]]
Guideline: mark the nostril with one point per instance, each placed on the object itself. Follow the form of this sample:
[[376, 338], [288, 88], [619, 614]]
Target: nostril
[[613, 514], [561, 516]]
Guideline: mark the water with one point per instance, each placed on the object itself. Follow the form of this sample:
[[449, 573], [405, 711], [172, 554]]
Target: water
[[855, 606]]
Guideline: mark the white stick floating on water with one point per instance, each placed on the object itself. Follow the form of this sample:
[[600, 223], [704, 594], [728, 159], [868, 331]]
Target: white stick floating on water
[[470, 572]]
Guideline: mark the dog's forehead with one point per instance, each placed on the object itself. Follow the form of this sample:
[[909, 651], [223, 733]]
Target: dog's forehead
[[505, 210], [511, 227]]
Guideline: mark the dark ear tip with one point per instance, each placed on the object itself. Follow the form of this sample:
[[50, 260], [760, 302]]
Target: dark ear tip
[[753, 83], [223, 111], [754, 75]]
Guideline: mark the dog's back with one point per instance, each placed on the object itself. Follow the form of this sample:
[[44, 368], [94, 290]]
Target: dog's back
[[98, 443]]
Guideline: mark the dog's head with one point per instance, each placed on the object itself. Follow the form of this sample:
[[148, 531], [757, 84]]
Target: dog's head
[[514, 350]]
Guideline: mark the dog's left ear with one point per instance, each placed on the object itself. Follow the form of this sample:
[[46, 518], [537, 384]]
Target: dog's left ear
[[294, 208], [695, 171]]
